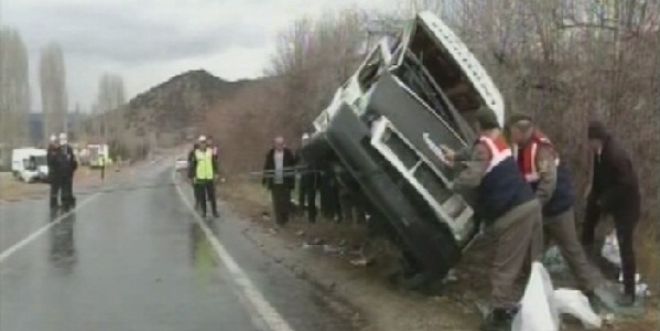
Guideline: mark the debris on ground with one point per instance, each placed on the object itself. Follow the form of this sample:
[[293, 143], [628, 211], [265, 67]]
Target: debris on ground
[[554, 261], [542, 305]]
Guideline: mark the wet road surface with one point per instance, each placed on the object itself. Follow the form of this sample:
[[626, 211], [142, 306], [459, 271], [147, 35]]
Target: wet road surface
[[135, 258]]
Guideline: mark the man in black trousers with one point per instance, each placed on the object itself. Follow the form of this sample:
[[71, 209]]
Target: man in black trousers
[[204, 171], [61, 166], [614, 191], [278, 178], [310, 181], [191, 174]]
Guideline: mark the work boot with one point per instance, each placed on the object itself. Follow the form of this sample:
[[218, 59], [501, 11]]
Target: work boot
[[498, 320]]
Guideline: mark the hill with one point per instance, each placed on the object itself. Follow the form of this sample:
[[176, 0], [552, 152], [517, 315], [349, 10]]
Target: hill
[[179, 103]]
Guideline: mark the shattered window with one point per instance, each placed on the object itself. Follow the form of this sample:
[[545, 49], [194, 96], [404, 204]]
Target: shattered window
[[369, 73]]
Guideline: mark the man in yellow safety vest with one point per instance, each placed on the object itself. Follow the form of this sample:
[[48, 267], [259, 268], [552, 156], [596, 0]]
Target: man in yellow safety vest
[[203, 170]]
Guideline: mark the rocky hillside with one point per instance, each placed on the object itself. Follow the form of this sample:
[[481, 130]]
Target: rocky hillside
[[168, 114], [179, 103]]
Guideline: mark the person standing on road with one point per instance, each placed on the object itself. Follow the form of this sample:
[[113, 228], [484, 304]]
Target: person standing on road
[[191, 174], [54, 175], [61, 166], [614, 191], [509, 209], [277, 178], [550, 179], [69, 164], [309, 184], [204, 170]]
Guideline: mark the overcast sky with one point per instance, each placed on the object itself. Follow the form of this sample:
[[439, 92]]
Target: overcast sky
[[148, 41]]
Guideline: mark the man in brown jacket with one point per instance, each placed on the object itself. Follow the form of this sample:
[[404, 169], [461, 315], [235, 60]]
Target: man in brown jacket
[[614, 191], [550, 179]]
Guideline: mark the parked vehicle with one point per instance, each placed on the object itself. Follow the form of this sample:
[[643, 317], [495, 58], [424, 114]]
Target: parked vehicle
[[97, 155], [29, 164], [423, 86]]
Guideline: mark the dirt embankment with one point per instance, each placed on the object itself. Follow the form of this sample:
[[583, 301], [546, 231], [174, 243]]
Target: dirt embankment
[[342, 259]]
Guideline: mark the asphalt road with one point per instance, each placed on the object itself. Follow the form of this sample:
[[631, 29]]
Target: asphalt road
[[134, 257]]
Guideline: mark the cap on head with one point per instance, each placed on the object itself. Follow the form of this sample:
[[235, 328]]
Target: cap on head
[[305, 136], [63, 138], [53, 138], [202, 139], [487, 119]]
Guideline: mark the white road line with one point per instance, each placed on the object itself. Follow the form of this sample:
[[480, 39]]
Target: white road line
[[34, 235], [266, 311]]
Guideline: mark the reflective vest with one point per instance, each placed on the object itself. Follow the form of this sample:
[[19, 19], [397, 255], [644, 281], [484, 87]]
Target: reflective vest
[[563, 197], [502, 187], [204, 169], [527, 156]]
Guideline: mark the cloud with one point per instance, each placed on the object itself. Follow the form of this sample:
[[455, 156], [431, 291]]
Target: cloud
[[134, 34], [148, 41]]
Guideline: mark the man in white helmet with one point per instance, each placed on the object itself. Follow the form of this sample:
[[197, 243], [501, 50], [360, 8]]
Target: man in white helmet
[[61, 166], [54, 178], [203, 170]]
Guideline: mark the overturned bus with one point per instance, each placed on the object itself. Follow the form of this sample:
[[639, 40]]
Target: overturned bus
[[411, 93]]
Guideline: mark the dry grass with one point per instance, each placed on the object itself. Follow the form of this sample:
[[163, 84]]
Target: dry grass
[[11, 189]]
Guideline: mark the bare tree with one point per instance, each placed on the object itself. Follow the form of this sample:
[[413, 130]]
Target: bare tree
[[52, 78], [313, 58], [14, 88], [111, 96]]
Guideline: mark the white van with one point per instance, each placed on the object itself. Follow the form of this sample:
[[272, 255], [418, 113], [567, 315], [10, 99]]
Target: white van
[[29, 164]]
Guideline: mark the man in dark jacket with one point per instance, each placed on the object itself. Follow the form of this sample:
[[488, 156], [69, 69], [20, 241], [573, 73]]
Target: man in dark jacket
[[279, 179], [54, 177], [191, 174], [550, 179], [203, 169], [310, 181], [614, 191], [61, 166]]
